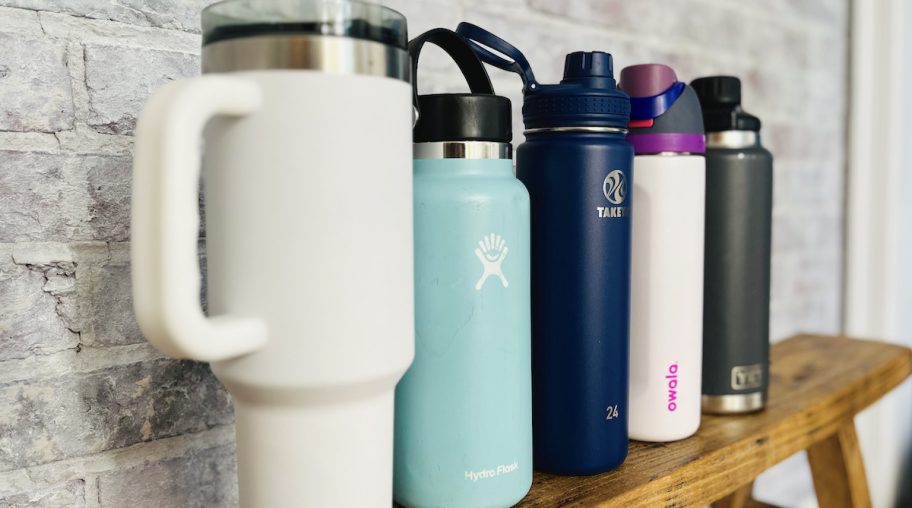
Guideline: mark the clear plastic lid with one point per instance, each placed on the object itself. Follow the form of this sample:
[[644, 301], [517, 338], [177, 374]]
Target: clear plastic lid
[[232, 19]]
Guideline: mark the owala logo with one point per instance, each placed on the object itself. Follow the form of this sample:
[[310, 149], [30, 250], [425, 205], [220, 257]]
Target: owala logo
[[672, 378], [491, 251], [615, 190]]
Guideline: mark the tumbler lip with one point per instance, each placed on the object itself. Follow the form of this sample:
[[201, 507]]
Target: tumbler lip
[[232, 19]]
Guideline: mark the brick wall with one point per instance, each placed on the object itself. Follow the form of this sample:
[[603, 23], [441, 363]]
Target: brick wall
[[91, 415]]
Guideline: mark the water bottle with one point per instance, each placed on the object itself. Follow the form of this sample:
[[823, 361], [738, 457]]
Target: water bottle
[[307, 109], [666, 337], [464, 408], [739, 209], [576, 164]]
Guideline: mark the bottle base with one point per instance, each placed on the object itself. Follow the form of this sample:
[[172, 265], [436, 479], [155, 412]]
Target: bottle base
[[733, 404], [311, 455], [577, 470], [664, 437], [407, 501]]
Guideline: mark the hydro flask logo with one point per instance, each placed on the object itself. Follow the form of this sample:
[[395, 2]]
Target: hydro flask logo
[[615, 190], [615, 187], [491, 251]]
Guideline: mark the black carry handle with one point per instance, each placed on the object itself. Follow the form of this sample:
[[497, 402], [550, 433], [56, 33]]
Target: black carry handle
[[459, 50]]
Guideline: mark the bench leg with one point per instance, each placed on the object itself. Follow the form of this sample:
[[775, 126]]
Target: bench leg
[[839, 476], [737, 499], [741, 498]]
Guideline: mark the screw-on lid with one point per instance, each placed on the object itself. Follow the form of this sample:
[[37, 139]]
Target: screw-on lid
[[720, 98], [587, 96], [665, 114], [232, 19], [463, 117], [476, 116]]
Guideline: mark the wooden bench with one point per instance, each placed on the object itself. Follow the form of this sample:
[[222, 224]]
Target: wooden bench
[[818, 385]]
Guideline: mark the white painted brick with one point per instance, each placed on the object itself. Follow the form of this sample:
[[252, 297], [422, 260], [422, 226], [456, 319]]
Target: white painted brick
[[108, 182], [63, 197], [38, 198], [88, 141], [106, 301], [116, 99], [93, 31], [474, 4], [89, 467], [66, 495], [34, 85], [71, 416], [175, 14], [424, 15], [93, 297], [19, 21], [42, 142], [33, 319], [544, 43], [70, 361], [206, 477], [653, 16]]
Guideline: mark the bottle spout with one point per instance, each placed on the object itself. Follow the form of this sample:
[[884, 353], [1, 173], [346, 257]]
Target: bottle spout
[[484, 43]]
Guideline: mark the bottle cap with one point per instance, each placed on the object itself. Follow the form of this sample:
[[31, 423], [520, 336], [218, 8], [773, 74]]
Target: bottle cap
[[665, 113], [476, 116], [587, 96], [720, 98]]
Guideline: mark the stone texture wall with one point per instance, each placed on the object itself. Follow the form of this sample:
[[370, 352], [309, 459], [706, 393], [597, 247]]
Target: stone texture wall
[[91, 415]]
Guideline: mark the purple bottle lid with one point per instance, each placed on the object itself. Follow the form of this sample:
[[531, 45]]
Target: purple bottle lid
[[646, 80], [665, 113]]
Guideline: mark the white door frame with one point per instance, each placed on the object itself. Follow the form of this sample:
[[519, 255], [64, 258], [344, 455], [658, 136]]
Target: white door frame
[[879, 136]]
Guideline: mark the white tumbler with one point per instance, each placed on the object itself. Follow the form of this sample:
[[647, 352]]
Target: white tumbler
[[666, 281], [305, 115]]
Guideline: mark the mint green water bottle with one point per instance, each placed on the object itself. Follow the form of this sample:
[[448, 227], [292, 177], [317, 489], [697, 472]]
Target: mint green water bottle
[[463, 410]]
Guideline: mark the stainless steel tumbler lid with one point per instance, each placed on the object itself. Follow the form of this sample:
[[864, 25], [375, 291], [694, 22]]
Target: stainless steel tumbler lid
[[333, 36], [462, 150]]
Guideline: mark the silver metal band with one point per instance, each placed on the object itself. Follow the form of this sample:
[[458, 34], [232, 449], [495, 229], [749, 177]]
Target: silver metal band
[[326, 53], [732, 139], [576, 129], [736, 403], [462, 150]]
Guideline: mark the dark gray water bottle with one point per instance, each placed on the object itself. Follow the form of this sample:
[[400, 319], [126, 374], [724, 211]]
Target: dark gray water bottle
[[739, 204]]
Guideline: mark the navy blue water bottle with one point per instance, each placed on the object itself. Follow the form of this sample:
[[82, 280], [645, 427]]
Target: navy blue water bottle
[[576, 164]]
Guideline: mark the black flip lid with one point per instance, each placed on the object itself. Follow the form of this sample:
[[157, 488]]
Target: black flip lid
[[720, 98], [476, 116]]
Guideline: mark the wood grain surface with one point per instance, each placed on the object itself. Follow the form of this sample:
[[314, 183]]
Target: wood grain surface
[[818, 384], [839, 476]]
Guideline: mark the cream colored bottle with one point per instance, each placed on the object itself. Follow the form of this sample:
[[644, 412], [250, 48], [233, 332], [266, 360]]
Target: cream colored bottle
[[304, 114]]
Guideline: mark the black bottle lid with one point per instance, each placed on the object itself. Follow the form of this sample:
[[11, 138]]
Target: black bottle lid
[[476, 116], [720, 98], [463, 117]]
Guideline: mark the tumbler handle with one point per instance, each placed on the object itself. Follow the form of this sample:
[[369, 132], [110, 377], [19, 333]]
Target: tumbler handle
[[165, 220]]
